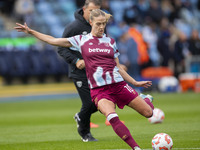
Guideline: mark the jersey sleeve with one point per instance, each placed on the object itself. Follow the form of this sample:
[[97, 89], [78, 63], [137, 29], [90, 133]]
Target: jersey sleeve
[[116, 51], [75, 41]]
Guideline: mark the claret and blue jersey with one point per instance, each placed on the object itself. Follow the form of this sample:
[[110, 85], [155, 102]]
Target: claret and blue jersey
[[99, 54]]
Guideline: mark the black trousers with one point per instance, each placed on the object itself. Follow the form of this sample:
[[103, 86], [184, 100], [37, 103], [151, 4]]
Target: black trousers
[[88, 107]]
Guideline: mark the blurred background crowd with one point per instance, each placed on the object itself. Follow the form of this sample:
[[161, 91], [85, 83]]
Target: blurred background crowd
[[156, 39]]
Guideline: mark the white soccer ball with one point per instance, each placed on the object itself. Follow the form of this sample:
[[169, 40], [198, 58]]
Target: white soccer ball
[[162, 141], [168, 84], [158, 116]]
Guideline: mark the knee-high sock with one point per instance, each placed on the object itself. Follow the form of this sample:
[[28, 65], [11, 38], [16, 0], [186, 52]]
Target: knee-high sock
[[121, 130], [147, 100]]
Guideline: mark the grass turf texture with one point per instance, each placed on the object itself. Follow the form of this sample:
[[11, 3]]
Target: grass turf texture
[[49, 125]]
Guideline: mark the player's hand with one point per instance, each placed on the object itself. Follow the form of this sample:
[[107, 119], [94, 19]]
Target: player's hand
[[145, 84], [22, 28], [80, 64]]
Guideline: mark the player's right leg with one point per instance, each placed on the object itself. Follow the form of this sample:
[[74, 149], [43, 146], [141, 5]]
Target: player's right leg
[[108, 109], [144, 107]]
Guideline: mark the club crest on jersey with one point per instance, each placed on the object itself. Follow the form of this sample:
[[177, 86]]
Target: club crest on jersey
[[84, 32], [106, 44], [79, 83], [90, 43]]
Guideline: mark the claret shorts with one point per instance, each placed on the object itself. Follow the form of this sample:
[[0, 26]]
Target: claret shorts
[[119, 93]]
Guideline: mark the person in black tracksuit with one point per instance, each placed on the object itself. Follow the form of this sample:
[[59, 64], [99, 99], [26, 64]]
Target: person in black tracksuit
[[76, 68]]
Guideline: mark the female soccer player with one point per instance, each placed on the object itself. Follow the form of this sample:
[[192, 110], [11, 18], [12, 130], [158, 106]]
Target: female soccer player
[[105, 76]]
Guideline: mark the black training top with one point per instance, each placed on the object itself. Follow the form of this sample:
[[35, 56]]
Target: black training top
[[77, 27]]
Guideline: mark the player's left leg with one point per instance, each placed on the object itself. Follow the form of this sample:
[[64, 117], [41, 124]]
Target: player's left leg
[[108, 109]]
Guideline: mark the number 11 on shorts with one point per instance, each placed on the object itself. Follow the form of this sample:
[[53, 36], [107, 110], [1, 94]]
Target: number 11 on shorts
[[129, 88]]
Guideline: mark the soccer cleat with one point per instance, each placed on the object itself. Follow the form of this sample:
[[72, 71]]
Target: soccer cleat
[[93, 125], [150, 97], [89, 138], [137, 148], [146, 96], [86, 138]]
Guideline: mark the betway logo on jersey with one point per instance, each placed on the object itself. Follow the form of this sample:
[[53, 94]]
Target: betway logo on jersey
[[99, 50]]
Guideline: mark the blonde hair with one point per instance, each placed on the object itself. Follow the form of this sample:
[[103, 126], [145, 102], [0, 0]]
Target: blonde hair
[[97, 13]]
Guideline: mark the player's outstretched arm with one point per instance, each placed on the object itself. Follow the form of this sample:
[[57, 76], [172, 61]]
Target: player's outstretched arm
[[129, 79], [63, 42]]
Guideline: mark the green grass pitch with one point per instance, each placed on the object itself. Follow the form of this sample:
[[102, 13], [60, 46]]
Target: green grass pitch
[[49, 125]]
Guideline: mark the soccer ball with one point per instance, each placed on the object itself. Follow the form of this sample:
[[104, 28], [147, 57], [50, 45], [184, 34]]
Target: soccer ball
[[162, 141], [168, 84], [158, 116]]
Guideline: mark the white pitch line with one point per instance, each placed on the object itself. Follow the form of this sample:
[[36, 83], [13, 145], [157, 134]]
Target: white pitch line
[[185, 148], [151, 149]]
